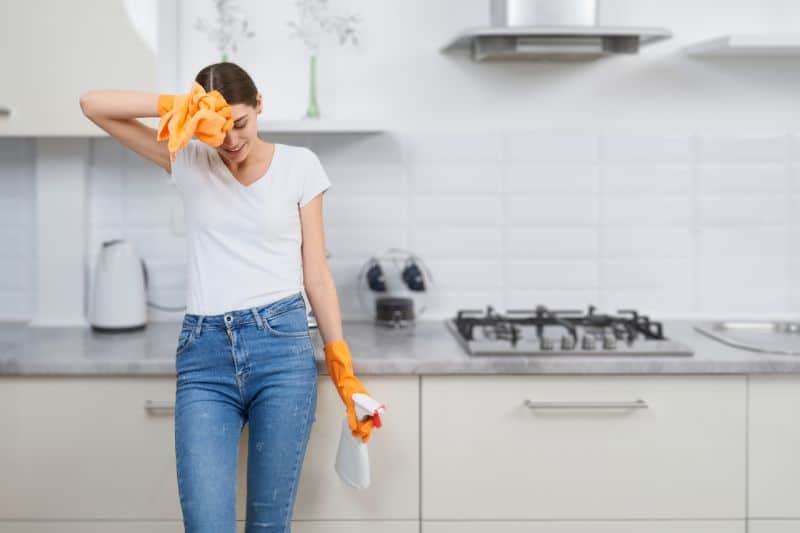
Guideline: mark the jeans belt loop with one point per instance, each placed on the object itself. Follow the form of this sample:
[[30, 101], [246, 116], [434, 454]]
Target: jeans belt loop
[[257, 316], [198, 327]]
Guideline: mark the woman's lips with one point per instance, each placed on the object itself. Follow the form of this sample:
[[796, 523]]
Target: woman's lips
[[236, 151]]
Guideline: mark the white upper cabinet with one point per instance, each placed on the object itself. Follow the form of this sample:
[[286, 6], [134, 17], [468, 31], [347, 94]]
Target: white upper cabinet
[[55, 51]]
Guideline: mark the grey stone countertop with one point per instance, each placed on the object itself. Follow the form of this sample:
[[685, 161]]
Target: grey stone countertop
[[426, 348]]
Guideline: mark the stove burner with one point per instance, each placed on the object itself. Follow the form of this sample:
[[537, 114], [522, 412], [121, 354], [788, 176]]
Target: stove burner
[[498, 326], [489, 331]]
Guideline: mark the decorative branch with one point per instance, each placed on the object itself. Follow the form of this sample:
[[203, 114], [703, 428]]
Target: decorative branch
[[230, 24], [315, 21]]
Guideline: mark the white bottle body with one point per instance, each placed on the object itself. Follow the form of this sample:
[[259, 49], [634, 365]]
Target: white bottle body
[[352, 456]]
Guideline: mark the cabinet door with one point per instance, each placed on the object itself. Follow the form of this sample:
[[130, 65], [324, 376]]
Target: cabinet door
[[88, 448], [177, 527], [487, 455], [393, 454], [371, 526], [55, 51], [91, 527], [774, 444], [706, 526]]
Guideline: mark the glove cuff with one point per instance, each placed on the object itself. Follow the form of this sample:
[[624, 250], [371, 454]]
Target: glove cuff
[[165, 103], [338, 360]]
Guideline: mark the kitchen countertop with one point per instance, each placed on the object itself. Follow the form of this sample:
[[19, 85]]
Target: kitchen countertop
[[426, 348]]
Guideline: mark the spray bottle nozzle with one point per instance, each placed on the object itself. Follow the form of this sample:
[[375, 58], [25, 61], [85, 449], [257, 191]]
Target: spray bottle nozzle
[[367, 406]]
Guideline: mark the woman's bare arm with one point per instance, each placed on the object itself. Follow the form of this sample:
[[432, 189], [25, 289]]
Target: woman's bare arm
[[117, 112]]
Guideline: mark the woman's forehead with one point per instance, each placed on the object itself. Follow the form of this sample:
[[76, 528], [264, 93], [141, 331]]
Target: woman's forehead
[[240, 111]]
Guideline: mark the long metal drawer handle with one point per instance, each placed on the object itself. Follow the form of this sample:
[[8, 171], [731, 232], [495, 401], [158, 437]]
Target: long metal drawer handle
[[155, 407], [636, 404]]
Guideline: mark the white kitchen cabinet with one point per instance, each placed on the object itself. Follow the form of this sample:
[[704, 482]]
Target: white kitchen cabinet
[[177, 527], [632, 526], [91, 527], [773, 526], [55, 51], [393, 453], [86, 448], [344, 526], [774, 444], [488, 456]]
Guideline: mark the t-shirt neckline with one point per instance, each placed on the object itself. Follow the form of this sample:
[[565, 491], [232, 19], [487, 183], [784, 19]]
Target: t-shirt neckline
[[259, 180]]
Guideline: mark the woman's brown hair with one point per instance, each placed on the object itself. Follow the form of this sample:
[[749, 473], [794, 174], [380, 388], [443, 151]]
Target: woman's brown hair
[[231, 80]]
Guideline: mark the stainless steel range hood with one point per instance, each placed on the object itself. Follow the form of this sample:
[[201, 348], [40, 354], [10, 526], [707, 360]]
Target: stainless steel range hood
[[550, 30]]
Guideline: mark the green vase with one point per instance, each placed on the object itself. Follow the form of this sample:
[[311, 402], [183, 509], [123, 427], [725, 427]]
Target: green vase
[[312, 111]]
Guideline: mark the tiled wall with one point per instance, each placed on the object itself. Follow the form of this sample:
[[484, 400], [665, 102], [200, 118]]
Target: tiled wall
[[676, 224], [17, 229]]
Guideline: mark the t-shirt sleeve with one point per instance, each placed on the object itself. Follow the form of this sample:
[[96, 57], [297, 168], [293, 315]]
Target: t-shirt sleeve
[[183, 158], [314, 179]]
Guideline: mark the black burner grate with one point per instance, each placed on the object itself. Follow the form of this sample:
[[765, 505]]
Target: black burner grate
[[628, 325]]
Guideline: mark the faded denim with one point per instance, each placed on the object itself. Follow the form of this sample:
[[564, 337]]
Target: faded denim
[[253, 366]]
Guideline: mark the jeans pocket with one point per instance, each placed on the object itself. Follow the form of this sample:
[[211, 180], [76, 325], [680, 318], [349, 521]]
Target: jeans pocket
[[185, 339], [289, 323]]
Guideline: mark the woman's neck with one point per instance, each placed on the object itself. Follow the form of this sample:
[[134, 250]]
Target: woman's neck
[[259, 153]]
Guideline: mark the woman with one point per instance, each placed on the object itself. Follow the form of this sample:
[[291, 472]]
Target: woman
[[255, 238]]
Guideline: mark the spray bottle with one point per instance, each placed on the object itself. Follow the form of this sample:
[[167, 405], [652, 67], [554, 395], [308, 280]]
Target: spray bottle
[[352, 457]]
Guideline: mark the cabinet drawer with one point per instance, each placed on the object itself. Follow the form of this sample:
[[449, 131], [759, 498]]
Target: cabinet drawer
[[177, 527], [706, 526], [87, 448], [774, 469], [343, 526], [393, 452], [487, 455], [91, 527]]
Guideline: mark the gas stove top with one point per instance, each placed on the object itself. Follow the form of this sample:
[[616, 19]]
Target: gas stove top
[[542, 331]]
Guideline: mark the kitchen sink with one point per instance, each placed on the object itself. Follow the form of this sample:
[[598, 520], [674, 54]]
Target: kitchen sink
[[775, 337]]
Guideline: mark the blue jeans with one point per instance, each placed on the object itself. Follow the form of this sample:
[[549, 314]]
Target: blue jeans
[[253, 366]]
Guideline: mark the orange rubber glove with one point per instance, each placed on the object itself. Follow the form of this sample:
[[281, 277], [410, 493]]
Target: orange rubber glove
[[340, 368], [206, 115]]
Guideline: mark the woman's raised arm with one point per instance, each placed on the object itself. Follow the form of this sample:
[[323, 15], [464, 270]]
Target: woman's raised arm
[[116, 112]]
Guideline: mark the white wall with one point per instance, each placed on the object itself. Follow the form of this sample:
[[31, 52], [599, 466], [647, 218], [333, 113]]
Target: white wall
[[397, 72], [17, 229], [655, 181]]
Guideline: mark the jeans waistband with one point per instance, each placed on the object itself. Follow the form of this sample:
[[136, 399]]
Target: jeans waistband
[[242, 317]]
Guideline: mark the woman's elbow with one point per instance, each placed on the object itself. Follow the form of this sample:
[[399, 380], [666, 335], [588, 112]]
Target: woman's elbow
[[85, 102]]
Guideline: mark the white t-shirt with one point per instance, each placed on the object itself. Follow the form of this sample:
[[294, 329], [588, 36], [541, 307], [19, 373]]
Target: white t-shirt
[[244, 241]]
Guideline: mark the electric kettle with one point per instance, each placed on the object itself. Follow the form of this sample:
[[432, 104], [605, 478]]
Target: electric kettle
[[119, 299]]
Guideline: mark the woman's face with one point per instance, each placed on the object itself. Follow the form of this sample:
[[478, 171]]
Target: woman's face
[[239, 140]]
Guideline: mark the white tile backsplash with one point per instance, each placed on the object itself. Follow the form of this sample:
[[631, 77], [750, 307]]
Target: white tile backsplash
[[647, 147], [548, 274], [17, 228], [552, 178], [551, 210], [747, 209], [743, 148], [671, 224], [553, 146]]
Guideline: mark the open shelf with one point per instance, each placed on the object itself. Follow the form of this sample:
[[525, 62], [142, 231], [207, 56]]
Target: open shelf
[[320, 126]]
